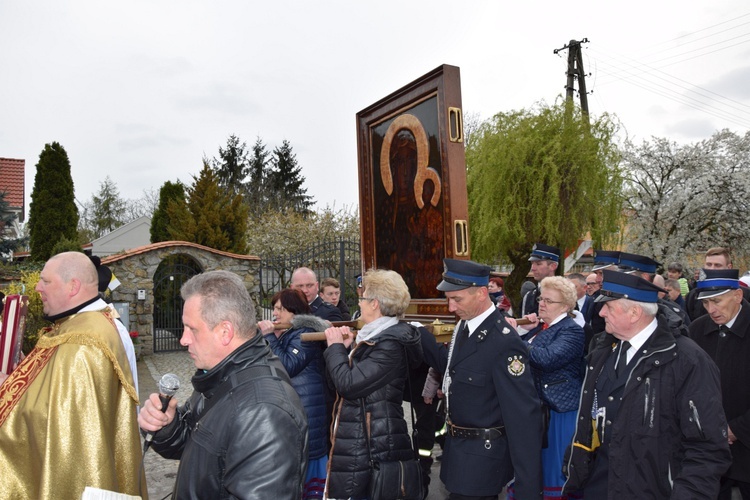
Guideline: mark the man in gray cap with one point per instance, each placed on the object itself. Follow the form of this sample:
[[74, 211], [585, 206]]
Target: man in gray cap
[[724, 333], [493, 411], [650, 422]]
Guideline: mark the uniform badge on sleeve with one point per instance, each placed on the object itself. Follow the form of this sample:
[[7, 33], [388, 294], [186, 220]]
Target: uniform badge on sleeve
[[516, 365]]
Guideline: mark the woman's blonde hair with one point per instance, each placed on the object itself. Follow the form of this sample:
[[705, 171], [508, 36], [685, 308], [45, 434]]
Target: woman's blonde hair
[[564, 287], [389, 289]]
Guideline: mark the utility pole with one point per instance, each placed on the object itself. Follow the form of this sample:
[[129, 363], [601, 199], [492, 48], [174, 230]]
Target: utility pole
[[575, 70]]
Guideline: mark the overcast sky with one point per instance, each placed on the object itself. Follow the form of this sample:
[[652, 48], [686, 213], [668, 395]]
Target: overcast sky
[[142, 90]]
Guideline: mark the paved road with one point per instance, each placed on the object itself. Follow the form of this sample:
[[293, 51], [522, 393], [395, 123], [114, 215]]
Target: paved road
[[160, 472]]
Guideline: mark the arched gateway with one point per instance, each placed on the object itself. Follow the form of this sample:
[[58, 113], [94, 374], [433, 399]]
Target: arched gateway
[[151, 277]]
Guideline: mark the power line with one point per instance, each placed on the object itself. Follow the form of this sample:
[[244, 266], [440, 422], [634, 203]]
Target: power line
[[672, 98], [706, 28], [646, 73], [689, 101], [701, 48], [638, 68], [689, 87]]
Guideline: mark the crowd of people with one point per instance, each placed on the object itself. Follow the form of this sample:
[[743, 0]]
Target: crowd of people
[[621, 383]]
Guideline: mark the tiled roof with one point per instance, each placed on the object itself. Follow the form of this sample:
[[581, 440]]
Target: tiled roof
[[12, 182], [167, 244]]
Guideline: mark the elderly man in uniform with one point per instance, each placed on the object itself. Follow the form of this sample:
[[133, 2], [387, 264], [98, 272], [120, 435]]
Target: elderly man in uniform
[[493, 411], [724, 333], [716, 258], [650, 419]]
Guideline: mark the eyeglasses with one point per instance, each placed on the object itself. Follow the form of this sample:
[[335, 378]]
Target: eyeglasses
[[365, 298], [548, 301], [592, 284]]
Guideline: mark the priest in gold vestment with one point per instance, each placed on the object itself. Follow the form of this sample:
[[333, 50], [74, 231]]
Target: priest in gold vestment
[[68, 412]]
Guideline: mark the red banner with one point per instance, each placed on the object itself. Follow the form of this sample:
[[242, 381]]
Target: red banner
[[12, 330]]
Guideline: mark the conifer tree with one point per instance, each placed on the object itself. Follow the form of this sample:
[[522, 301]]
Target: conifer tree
[[258, 183], [53, 214], [160, 222], [211, 216], [286, 181], [232, 167], [106, 211]]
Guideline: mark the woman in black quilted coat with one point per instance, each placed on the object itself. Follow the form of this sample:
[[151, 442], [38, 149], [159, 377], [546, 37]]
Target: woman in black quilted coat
[[556, 357], [369, 381]]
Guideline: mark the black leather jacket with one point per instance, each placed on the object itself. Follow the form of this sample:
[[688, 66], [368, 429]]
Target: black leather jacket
[[251, 444]]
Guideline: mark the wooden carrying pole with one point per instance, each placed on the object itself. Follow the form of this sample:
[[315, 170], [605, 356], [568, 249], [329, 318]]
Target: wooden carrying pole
[[438, 328]]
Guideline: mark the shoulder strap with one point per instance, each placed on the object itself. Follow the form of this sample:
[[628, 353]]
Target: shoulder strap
[[414, 433], [411, 406], [364, 428], [237, 379]]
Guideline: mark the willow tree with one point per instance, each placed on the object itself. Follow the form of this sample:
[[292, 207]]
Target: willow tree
[[546, 174]]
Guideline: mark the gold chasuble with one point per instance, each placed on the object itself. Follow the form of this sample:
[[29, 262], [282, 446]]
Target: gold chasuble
[[68, 415]]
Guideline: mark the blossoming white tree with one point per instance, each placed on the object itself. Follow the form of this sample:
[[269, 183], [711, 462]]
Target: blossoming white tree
[[683, 199]]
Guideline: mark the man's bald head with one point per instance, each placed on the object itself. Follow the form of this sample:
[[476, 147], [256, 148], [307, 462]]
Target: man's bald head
[[76, 265], [305, 280], [68, 280]]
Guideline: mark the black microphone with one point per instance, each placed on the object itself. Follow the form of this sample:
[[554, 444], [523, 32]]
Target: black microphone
[[168, 386]]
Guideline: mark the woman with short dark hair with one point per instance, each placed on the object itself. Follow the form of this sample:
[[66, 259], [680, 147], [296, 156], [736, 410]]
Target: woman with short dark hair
[[304, 363]]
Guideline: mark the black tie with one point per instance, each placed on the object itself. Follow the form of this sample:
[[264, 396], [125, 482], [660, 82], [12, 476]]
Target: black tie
[[622, 360], [463, 334], [724, 330]]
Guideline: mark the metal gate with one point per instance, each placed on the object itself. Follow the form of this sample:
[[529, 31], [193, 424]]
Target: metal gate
[[168, 279], [340, 259]]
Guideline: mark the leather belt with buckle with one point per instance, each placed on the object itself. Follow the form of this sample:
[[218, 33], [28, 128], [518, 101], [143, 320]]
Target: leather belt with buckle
[[476, 433]]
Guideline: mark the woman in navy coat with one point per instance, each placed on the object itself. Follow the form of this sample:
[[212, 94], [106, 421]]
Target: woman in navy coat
[[304, 363], [556, 357]]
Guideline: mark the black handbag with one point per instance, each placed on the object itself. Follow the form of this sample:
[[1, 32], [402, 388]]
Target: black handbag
[[397, 480]]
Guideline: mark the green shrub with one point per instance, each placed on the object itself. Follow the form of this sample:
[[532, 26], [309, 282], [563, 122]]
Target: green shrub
[[34, 319]]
